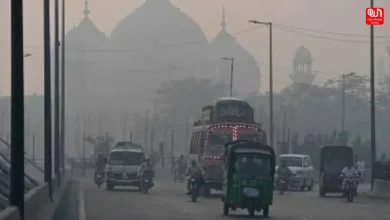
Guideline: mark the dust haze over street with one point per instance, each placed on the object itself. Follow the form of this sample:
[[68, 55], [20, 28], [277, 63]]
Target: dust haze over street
[[279, 109]]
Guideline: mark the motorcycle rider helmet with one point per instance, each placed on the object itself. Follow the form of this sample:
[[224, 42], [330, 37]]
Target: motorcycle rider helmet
[[193, 163]]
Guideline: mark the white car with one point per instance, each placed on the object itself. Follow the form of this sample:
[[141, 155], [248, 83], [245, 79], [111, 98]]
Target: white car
[[302, 169], [122, 166]]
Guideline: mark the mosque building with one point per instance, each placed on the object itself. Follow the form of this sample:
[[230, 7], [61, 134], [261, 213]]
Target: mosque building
[[155, 43]]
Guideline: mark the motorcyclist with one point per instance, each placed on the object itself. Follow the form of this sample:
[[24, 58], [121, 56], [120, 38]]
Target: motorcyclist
[[283, 172], [100, 164], [193, 171], [146, 166], [179, 164], [349, 172]]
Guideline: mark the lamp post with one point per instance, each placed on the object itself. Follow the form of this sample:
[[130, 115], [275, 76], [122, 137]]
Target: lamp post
[[16, 197], [271, 101], [344, 76], [231, 73], [372, 98]]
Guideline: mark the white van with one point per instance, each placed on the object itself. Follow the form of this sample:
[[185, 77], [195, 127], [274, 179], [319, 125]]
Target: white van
[[122, 166], [302, 169]]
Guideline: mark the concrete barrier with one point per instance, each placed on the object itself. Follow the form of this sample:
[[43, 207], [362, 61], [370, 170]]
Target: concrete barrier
[[38, 205], [381, 188]]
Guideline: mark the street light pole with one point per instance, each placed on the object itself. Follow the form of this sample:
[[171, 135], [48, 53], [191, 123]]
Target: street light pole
[[344, 76], [63, 88], [372, 97], [231, 73], [271, 84], [16, 196], [47, 97], [56, 93]]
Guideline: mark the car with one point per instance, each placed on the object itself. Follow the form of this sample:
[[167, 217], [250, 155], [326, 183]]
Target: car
[[301, 168], [122, 167]]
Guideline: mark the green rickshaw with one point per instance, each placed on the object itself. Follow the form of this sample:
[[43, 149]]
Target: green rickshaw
[[249, 177]]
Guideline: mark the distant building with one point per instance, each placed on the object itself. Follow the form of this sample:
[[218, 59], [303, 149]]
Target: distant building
[[380, 70], [155, 43], [388, 53], [246, 78], [302, 67]]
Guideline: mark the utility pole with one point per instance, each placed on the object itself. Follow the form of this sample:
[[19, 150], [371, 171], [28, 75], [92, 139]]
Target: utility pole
[[84, 160], [187, 134], [284, 129], [146, 130], [63, 89], [17, 105], [344, 76], [47, 98], [33, 147], [231, 73], [56, 93], [172, 150], [372, 97], [1, 126], [271, 99], [151, 141], [131, 136], [124, 126]]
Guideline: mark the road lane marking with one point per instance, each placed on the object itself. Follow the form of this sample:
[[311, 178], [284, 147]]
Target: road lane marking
[[81, 202]]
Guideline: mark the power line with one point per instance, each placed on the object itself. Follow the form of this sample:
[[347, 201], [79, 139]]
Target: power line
[[329, 32], [325, 37]]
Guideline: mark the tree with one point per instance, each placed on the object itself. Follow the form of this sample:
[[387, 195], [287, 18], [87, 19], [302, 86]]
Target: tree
[[185, 97]]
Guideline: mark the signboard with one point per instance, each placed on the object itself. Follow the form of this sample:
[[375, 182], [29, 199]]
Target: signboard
[[234, 111]]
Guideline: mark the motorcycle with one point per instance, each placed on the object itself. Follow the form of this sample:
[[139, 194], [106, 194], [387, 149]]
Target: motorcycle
[[194, 188], [99, 179], [350, 189], [147, 181], [282, 185], [178, 174]]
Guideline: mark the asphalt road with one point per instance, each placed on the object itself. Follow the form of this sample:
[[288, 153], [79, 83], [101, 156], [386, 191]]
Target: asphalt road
[[168, 201]]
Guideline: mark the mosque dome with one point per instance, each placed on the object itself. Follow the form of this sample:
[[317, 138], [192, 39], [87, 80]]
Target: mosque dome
[[302, 54], [157, 43], [157, 23], [246, 71]]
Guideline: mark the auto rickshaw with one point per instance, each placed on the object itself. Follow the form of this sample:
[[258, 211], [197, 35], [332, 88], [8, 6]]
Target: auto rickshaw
[[249, 176], [332, 161]]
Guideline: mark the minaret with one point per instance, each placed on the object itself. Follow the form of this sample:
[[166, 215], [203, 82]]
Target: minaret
[[223, 23], [86, 8]]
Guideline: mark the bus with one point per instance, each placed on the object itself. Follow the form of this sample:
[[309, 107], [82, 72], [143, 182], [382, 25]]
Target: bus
[[226, 120]]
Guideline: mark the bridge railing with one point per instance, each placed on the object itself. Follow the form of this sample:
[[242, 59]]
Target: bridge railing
[[39, 205]]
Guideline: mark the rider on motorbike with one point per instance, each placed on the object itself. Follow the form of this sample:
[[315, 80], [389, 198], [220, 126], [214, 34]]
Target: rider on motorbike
[[348, 172], [179, 164], [100, 164], [283, 172], [145, 167], [193, 171]]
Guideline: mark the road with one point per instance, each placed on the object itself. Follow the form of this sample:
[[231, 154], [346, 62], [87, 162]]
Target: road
[[168, 201]]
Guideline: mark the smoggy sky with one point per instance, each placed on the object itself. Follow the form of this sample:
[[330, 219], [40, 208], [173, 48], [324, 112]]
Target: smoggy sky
[[331, 57]]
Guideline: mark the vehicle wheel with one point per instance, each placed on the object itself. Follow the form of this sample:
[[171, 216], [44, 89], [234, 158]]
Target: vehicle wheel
[[146, 190], [193, 194], [310, 188], [266, 212], [302, 188], [109, 186], [225, 208], [322, 192], [206, 191], [99, 185], [252, 209]]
